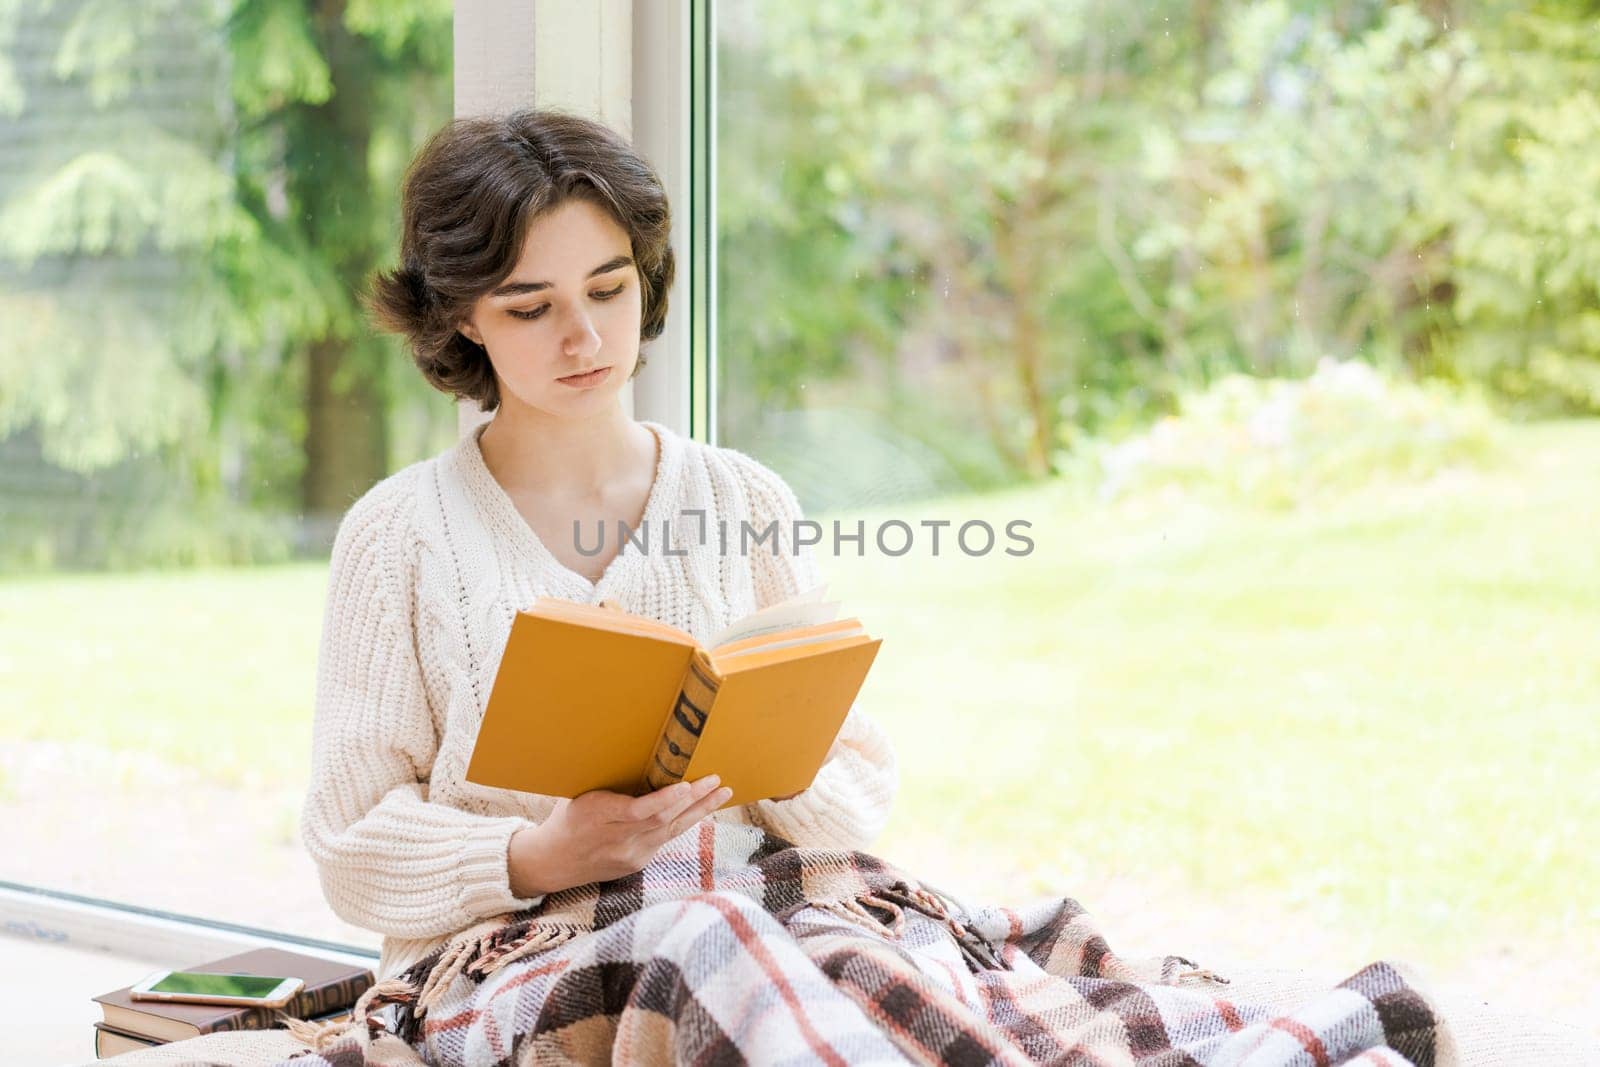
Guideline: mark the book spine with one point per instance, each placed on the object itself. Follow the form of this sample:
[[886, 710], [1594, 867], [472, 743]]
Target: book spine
[[249, 1019], [335, 996], [686, 724], [109, 1042]]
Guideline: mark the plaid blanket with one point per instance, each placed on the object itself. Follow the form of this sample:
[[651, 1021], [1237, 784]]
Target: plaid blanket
[[734, 946]]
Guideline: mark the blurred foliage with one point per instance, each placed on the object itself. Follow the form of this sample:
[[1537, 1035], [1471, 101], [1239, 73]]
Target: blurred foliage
[[1281, 443], [995, 235], [193, 198], [1071, 213]]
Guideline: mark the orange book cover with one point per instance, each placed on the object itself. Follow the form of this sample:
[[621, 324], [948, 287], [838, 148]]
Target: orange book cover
[[596, 698]]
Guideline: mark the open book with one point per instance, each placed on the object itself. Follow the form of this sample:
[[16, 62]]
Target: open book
[[595, 698]]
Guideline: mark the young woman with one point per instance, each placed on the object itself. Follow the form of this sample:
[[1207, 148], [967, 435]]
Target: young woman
[[534, 264], [666, 927]]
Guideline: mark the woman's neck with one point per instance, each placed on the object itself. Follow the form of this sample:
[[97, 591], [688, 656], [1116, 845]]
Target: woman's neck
[[534, 452]]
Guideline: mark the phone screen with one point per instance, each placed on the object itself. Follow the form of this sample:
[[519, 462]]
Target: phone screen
[[217, 985]]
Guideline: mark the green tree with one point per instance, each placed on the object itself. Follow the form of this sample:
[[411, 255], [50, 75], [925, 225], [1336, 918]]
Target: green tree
[[1297, 207], [261, 198], [964, 147], [1090, 209], [1525, 253]]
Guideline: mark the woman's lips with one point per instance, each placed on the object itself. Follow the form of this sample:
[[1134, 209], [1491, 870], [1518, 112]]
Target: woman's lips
[[587, 381]]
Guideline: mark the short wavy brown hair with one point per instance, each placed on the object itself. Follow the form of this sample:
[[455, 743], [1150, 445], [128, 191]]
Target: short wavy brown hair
[[470, 195]]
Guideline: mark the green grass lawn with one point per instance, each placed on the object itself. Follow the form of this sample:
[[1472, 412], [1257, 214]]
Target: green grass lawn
[[212, 668], [1386, 706]]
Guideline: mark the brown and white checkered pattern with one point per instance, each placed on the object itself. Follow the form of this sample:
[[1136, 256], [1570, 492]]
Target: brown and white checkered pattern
[[734, 947]]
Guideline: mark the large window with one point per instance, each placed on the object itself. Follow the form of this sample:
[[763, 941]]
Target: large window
[[1274, 319], [1239, 359], [189, 400]]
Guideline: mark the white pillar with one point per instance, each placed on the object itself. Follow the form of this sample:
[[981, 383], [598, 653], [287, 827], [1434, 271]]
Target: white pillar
[[575, 55], [661, 121]]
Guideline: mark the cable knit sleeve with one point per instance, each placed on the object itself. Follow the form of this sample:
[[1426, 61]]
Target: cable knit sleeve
[[389, 859], [848, 804]]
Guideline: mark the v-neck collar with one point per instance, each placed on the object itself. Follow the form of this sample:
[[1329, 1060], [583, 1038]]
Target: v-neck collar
[[623, 568]]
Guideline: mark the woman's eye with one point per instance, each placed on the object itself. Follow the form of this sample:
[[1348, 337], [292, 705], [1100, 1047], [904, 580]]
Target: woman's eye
[[534, 313]]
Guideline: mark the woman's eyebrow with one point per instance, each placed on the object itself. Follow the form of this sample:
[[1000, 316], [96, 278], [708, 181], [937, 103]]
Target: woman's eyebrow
[[515, 288]]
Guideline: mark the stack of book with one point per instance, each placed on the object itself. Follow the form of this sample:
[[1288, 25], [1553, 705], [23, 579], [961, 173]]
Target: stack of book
[[331, 990]]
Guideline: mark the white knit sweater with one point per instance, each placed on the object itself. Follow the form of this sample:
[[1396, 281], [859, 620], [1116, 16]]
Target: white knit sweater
[[429, 568]]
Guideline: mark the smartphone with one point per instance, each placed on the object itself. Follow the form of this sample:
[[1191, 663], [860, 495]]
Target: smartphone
[[198, 987]]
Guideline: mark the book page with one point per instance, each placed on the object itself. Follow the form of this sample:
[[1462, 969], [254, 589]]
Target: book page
[[807, 636], [803, 609]]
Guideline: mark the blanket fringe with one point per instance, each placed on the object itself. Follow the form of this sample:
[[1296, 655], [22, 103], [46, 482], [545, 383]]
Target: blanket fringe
[[477, 952], [977, 951], [537, 940], [883, 911], [451, 962], [321, 1035], [1170, 975], [316, 1036], [482, 955]]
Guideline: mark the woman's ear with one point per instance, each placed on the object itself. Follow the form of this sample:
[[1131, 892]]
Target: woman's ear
[[470, 332]]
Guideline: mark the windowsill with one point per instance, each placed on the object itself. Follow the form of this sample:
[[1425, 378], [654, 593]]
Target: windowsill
[[52, 1009]]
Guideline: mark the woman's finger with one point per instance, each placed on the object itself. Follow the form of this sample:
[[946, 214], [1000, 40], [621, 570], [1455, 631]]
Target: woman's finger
[[600, 805], [697, 811], [706, 800], [666, 803]]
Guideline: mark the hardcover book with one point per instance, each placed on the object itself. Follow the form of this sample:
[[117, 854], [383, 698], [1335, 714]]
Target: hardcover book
[[330, 986], [596, 698], [109, 1042]]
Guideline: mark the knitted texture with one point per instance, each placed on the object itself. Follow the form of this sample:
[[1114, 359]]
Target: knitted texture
[[429, 569]]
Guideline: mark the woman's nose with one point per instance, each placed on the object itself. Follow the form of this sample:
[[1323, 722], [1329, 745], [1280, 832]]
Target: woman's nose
[[580, 338]]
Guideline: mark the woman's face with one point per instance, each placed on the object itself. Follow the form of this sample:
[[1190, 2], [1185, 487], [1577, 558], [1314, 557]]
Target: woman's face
[[570, 305]]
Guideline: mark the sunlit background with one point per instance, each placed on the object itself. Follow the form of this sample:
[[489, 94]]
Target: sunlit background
[[1278, 322]]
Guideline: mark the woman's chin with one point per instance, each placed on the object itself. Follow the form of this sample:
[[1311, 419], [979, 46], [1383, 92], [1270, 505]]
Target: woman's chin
[[573, 403], [553, 397]]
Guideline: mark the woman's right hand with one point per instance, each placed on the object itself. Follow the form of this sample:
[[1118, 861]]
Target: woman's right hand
[[603, 835]]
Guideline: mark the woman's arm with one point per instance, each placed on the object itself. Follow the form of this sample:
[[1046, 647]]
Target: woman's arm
[[848, 804], [389, 859]]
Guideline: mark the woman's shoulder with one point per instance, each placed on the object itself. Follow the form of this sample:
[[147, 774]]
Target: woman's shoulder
[[386, 513]]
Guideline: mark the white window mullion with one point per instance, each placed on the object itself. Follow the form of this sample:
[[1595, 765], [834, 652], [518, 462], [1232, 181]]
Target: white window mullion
[[629, 64], [667, 390]]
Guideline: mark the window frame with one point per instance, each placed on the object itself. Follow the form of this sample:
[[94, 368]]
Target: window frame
[[646, 67]]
